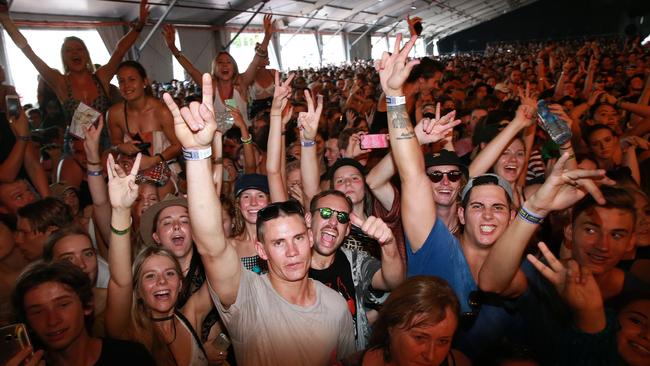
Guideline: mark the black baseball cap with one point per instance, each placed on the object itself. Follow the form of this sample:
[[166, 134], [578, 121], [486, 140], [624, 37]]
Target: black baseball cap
[[445, 157], [345, 162], [251, 181]]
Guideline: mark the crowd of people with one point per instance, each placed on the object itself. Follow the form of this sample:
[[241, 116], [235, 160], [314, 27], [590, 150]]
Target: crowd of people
[[396, 212]]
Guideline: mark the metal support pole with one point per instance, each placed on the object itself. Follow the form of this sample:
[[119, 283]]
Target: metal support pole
[[302, 26], [155, 27], [244, 26], [362, 35]]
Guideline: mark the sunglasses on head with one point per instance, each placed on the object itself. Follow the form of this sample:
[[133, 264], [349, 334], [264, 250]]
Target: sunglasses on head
[[326, 213], [453, 175], [273, 210], [468, 318]]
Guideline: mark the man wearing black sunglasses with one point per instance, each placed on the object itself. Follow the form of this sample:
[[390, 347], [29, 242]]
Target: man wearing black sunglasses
[[279, 318], [351, 272]]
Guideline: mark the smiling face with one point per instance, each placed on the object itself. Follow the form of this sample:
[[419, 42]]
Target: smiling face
[[331, 151], [173, 231], [55, 314], [600, 237], [131, 83], [328, 234], [445, 192], [350, 181], [78, 250], [642, 206], [250, 202], [159, 284], [287, 248], [423, 344], [511, 162], [632, 338], [486, 216]]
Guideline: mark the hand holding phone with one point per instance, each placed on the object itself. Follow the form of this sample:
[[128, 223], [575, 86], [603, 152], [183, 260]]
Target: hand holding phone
[[13, 106], [375, 141], [13, 340]]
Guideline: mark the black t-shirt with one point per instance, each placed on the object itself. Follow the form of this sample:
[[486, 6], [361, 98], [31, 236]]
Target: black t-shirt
[[338, 277], [118, 352]]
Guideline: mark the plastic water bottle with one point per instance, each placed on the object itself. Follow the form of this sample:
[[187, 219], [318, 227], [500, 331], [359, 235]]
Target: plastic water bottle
[[225, 121], [556, 128]]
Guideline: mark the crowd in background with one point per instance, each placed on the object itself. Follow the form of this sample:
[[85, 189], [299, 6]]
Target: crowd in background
[[466, 209]]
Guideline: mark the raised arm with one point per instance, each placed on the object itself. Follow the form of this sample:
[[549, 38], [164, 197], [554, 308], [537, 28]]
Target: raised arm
[[308, 122], [51, 76], [195, 128], [10, 167], [274, 166], [96, 182], [250, 164], [490, 154], [261, 52], [418, 206], [561, 190], [107, 71], [427, 131], [577, 287], [123, 191], [169, 32]]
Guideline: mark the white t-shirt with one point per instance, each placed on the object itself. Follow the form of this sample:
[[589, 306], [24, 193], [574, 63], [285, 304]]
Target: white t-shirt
[[268, 330]]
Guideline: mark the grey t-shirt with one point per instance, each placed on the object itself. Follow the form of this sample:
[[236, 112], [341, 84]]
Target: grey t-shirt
[[268, 330]]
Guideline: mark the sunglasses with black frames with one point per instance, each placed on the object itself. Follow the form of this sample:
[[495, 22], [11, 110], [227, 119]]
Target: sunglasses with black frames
[[453, 175], [326, 213], [272, 210]]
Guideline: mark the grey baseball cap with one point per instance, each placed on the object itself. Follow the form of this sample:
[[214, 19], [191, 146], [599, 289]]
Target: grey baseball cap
[[483, 179]]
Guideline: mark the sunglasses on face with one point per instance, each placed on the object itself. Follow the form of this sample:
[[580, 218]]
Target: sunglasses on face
[[341, 217], [453, 175], [273, 210]]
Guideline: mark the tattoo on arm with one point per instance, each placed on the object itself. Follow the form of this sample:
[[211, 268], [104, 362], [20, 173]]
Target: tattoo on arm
[[398, 116], [399, 119]]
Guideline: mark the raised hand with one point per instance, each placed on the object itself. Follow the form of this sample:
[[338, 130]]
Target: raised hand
[[527, 97], [25, 358], [563, 188], [636, 142], [19, 126], [195, 126], [354, 146], [144, 13], [394, 69], [412, 22], [555, 272], [237, 117], [281, 93], [308, 121], [122, 189], [91, 142], [595, 97], [558, 110], [268, 25], [375, 228], [169, 32], [429, 131]]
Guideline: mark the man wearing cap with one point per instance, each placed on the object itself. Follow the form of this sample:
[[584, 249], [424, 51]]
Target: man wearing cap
[[280, 318], [431, 248]]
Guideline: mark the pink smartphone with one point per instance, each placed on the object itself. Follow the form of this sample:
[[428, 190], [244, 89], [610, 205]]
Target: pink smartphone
[[376, 141]]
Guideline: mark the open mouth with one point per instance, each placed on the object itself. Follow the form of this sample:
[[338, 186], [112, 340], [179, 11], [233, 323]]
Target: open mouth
[[328, 236], [511, 169], [162, 295], [178, 239], [55, 335], [487, 229]]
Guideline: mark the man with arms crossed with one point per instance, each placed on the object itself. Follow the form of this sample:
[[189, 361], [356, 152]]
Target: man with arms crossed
[[283, 317]]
